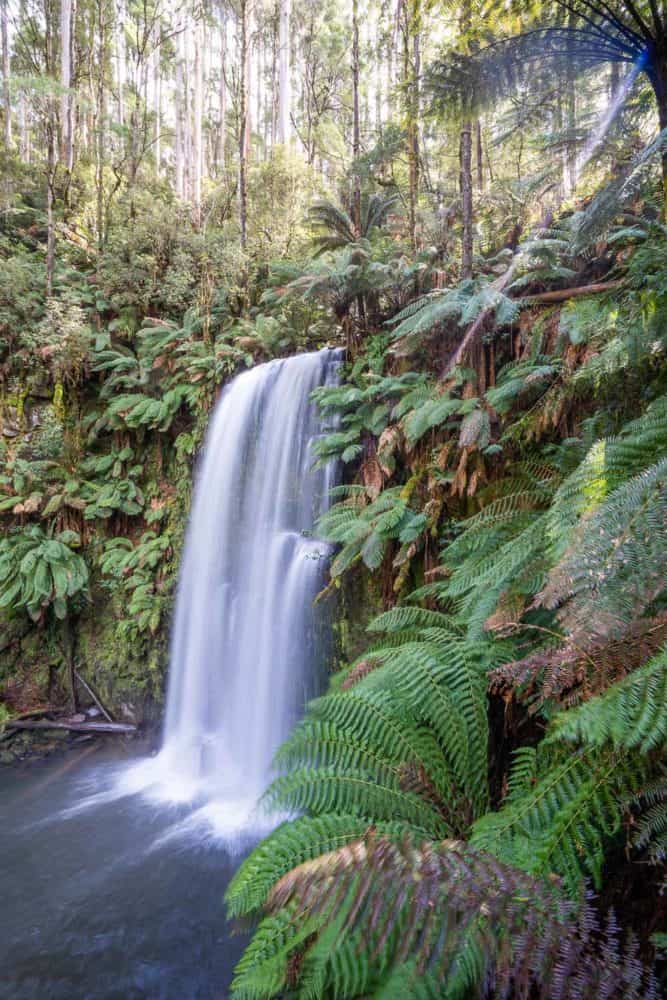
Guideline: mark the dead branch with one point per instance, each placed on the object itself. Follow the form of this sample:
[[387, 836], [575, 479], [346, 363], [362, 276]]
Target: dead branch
[[563, 294], [75, 727]]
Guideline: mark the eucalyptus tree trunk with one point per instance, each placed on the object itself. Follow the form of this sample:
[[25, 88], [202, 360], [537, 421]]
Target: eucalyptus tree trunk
[[570, 120], [466, 167], [187, 115], [275, 79], [119, 46], [466, 199], [389, 78], [259, 55], [222, 95], [51, 158], [284, 69], [244, 118], [379, 96], [197, 147], [411, 71], [6, 99], [24, 131], [356, 133], [157, 90], [66, 139], [50, 199], [100, 157], [178, 125]]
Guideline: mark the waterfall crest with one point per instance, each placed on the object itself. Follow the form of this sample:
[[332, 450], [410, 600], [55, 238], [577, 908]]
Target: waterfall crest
[[246, 642]]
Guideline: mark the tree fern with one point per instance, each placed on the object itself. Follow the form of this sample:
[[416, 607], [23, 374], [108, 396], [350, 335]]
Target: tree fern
[[564, 823], [632, 714], [413, 919], [612, 570]]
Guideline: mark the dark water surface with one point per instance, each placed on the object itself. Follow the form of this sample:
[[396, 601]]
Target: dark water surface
[[105, 896]]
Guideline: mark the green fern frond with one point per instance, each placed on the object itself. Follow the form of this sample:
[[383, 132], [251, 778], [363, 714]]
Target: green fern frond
[[632, 714]]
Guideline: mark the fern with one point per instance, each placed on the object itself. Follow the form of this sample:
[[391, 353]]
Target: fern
[[565, 821], [407, 919], [632, 714], [612, 570]]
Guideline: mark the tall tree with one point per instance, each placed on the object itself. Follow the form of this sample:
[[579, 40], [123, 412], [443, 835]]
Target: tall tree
[[244, 116], [6, 97], [412, 26], [356, 128], [222, 93], [466, 162], [179, 144], [198, 109], [284, 73], [66, 130]]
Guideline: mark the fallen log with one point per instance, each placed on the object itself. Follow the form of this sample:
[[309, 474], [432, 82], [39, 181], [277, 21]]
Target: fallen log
[[563, 294], [75, 727]]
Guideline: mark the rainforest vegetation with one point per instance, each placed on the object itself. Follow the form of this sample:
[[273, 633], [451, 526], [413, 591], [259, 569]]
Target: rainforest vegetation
[[469, 196]]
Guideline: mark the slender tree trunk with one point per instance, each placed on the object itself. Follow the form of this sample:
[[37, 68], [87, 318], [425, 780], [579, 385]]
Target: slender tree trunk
[[6, 99], [284, 70], [186, 134], [197, 148], [260, 85], [390, 82], [120, 56], [275, 79], [50, 198], [377, 53], [356, 133], [244, 120], [158, 111], [51, 153], [178, 126], [412, 69], [466, 167], [466, 199], [66, 143], [222, 98], [480, 155], [570, 122], [101, 129], [659, 82], [24, 137]]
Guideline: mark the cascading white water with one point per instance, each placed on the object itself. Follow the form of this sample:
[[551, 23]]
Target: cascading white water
[[245, 639]]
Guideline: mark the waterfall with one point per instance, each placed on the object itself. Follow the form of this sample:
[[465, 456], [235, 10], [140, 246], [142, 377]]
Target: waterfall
[[247, 646]]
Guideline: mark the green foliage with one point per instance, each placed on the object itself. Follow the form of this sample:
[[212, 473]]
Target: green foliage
[[365, 529], [140, 572], [632, 714], [39, 572], [399, 743], [335, 225], [453, 307], [405, 918]]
